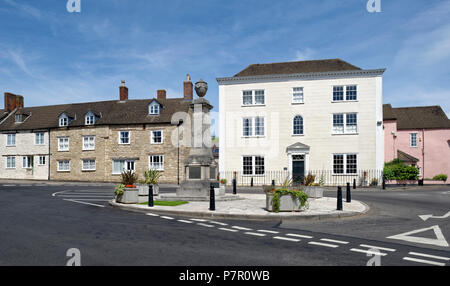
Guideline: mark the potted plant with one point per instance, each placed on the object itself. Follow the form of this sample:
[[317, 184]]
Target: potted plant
[[151, 177], [285, 198], [222, 188], [127, 192], [312, 189]]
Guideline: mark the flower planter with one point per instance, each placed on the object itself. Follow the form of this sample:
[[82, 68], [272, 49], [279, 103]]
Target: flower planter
[[220, 191], [287, 204], [314, 192], [129, 196], [143, 192]]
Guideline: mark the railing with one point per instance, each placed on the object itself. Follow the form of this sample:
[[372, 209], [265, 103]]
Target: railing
[[362, 178]]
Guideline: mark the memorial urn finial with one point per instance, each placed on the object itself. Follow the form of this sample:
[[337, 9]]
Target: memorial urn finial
[[201, 88]]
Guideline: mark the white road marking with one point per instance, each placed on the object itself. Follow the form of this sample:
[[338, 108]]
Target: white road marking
[[429, 256], [424, 261], [228, 229], [9, 185], [150, 214], [335, 241], [167, 217], [185, 221], [323, 244], [218, 223], [199, 220], [377, 247], [84, 196], [241, 228], [426, 217], [299, 235], [368, 251], [84, 203], [268, 231], [255, 234], [54, 194], [205, 225], [439, 240], [286, 238]]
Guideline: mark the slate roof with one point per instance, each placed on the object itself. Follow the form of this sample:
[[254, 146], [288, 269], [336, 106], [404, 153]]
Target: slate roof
[[111, 113], [313, 66], [422, 117], [404, 157]]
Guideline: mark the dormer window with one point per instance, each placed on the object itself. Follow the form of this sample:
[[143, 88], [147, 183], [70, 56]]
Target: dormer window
[[89, 118], [63, 120], [154, 108], [19, 118]]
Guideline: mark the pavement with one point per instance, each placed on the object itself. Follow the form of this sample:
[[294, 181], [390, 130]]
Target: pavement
[[253, 207]]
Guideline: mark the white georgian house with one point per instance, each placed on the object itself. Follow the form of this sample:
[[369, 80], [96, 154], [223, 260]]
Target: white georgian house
[[301, 117]]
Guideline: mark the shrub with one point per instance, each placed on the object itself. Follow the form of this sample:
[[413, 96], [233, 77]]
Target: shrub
[[223, 181], [129, 178], [152, 177], [296, 195], [441, 177], [119, 190], [400, 172], [309, 179]]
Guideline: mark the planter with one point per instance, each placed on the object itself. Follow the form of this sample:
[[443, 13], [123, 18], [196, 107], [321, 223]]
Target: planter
[[129, 196], [314, 192], [287, 204], [220, 191], [143, 190]]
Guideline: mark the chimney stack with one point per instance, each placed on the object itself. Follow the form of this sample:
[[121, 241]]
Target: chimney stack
[[188, 89], [13, 101], [123, 92], [161, 94]]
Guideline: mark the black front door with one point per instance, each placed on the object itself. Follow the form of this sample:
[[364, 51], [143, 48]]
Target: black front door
[[298, 171]]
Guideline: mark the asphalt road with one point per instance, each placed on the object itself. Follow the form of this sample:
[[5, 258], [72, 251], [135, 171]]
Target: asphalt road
[[39, 223]]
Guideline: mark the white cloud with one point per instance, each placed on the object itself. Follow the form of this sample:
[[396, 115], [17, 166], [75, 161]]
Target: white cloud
[[305, 54]]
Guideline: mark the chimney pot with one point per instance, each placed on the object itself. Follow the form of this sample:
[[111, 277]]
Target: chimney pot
[[13, 101], [188, 89], [123, 91], [161, 94]]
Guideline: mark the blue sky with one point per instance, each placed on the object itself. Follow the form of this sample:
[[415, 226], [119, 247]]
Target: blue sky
[[51, 56]]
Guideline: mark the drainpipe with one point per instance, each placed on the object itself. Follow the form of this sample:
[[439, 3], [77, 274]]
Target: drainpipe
[[48, 142], [178, 150], [423, 153]]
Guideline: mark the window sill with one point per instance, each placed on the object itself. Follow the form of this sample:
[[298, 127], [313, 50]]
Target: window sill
[[87, 150], [297, 103], [253, 105], [248, 176], [10, 168], [344, 175], [343, 134], [63, 150], [157, 143], [88, 171], [298, 135], [59, 171], [343, 101], [9, 146], [252, 137]]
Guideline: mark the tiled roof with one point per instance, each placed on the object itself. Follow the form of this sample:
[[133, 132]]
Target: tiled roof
[[329, 65], [404, 157], [112, 113], [422, 117]]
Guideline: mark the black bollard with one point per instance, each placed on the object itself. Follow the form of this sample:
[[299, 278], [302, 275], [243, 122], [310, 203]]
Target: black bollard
[[150, 196], [349, 194], [273, 183], [384, 184], [339, 199], [251, 182], [234, 187], [212, 199], [354, 184]]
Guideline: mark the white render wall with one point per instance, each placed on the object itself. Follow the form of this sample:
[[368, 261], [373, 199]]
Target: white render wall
[[25, 146], [317, 112]]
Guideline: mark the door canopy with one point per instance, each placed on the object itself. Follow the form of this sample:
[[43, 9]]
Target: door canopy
[[298, 148]]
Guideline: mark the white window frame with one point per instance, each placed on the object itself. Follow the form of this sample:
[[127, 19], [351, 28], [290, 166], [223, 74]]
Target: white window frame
[[253, 128], [411, 140], [89, 119], [66, 163], [124, 166], [66, 147], [159, 166], [11, 140], [152, 137], [27, 162], [296, 93], [303, 125], [10, 162], [120, 138], [253, 174], [63, 121], [90, 165], [345, 89], [42, 161], [253, 97], [346, 129], [19, 117], [154, 108], [90, 143], [39, 138], [345, 157]]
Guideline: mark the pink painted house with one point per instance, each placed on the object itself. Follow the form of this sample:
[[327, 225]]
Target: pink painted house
[[418, 136]]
